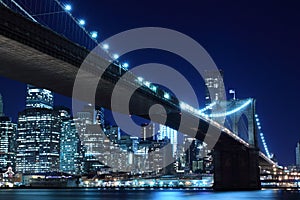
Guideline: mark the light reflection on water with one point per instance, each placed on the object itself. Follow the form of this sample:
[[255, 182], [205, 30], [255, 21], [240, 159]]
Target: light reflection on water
[[93, 194]]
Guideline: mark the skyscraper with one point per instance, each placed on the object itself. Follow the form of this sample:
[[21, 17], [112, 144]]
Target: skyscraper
[[298, 154], [1, 106], [214, 86], [88, 122], [159, 153], [8, 131], [171, 134], [38, 133], [197, 158], [100, 117], [71, 151], [38, 98], [148, 131]]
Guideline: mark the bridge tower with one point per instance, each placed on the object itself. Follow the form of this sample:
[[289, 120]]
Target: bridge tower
[[247, 112], [236, 167]]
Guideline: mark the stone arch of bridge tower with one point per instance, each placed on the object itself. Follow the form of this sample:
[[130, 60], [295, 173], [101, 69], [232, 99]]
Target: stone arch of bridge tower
[[242, 127], [228, 122], [249, 113]]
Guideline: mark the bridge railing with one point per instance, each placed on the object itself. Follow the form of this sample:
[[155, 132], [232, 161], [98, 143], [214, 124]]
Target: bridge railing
[[261, 154]]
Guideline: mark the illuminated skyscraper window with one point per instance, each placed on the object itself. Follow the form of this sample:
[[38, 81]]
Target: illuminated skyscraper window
[[71, 151], [38, 98], [39, 127], [214, 86], [38, 141], [8, 132], [148, 131], [171, 134]]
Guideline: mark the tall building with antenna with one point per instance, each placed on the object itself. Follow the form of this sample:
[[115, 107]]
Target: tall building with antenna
[[298, 154], [214, 86]]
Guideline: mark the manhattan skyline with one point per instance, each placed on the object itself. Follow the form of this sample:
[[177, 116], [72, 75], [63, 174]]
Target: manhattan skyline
[[255, 46]]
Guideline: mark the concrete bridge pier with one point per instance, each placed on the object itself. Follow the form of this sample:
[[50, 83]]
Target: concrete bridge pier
[[236, 168]]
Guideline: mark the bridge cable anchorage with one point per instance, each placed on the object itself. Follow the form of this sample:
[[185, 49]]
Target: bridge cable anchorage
[[262, 137]]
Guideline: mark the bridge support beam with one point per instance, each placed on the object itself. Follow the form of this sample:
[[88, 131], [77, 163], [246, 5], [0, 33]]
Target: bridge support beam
[[236, 168]]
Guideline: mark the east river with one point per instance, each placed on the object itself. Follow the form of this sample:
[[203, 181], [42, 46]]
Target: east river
[[146, 194]]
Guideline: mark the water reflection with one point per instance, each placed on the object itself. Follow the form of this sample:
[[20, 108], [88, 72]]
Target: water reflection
[[95, 194]]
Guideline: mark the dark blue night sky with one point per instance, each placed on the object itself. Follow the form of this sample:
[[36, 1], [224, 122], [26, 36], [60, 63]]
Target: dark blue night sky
[[255, 43]]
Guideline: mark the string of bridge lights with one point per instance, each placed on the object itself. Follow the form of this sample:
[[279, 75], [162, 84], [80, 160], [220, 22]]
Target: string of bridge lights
[[66, 7], [93, 34], [198, 112], [262, 136]]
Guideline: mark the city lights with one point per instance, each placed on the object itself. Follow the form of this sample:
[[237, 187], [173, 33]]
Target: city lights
[[125, 65], [94, 34], [147, 83], [105, 46], [140, 79], [50, 145], [81, 22], [115, 56], [231, 111], [258, 124], [166, 95], [68, 7]]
